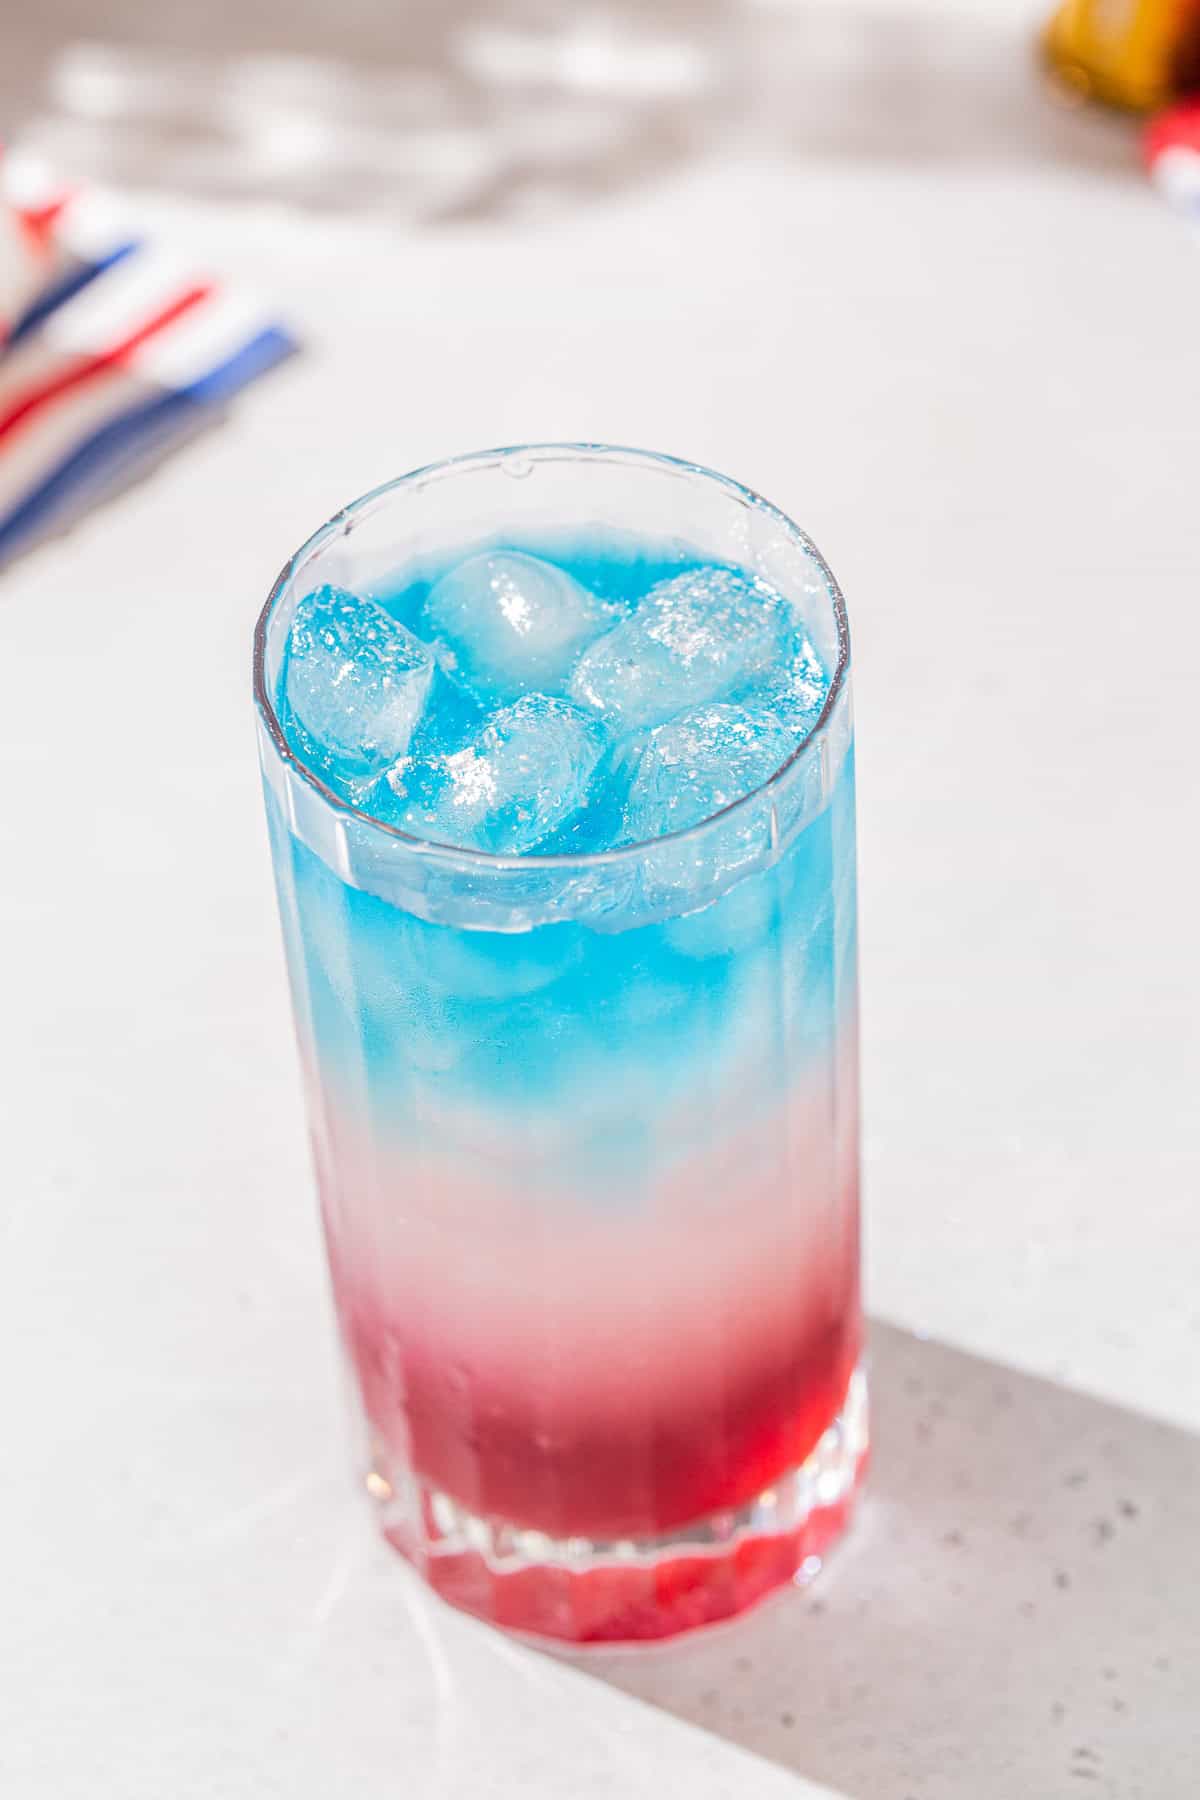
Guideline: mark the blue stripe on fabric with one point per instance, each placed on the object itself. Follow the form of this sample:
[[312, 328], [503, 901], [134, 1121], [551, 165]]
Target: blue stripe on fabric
[[64, 289], [118, 446]]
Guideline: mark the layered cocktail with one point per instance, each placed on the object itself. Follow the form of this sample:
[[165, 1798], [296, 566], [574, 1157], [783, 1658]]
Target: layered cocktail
[[559, 773]]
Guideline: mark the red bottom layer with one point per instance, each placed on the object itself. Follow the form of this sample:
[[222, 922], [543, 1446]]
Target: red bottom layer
[[611, 1604], [584, 1592]]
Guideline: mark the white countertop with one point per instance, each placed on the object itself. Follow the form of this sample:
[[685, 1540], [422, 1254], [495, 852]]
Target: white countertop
[[956, 336]]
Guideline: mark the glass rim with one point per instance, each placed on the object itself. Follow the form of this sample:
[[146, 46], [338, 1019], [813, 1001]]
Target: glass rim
[[344, 520]]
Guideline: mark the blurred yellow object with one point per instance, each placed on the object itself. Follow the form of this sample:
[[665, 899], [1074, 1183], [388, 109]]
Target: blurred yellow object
[[1125, 52]]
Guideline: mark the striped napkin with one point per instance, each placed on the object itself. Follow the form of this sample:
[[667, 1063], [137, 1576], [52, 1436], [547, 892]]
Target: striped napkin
[[111, 351]]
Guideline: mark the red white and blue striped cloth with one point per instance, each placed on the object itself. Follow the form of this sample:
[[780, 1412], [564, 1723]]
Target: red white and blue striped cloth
[[111, 350]]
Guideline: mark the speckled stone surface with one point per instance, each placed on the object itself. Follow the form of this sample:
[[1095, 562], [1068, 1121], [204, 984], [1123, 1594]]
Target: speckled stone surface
[[1018, 1612]]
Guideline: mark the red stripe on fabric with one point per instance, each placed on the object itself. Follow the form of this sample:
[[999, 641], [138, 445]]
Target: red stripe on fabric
[[85, 368], [42, 219], [34, 240]]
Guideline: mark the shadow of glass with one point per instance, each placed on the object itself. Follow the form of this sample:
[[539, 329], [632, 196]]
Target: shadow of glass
[[437, 112], [1017, 1611]]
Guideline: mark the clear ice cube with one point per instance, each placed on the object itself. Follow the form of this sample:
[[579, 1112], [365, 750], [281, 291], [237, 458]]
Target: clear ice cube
[[355, 682], [692, 640], [690, 769], [525, 773], [700, 762], [506, 624], [794, 691]]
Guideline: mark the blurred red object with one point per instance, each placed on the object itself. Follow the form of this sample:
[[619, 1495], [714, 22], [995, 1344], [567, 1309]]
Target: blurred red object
[[1171, 147], [1176, 129]]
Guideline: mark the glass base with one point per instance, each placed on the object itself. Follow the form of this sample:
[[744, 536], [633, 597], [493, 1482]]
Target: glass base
[[587, 1591]]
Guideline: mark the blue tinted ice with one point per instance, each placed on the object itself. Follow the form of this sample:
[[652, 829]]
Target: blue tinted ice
[[692, 639], [355, 682], [690, 769], [698, 763], [795, 692], [521, 777], [507, 624]]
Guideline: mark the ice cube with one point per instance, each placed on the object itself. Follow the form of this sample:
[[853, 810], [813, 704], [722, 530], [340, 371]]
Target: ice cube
[[524, 774], [693, 639], [739, 919], [355, 682], [692, 768], [700, 762], [488, 966], [507, 624], [794, 692]]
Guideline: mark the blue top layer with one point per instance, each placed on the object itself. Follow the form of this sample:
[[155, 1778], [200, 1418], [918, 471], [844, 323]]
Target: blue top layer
[[520, 705]]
